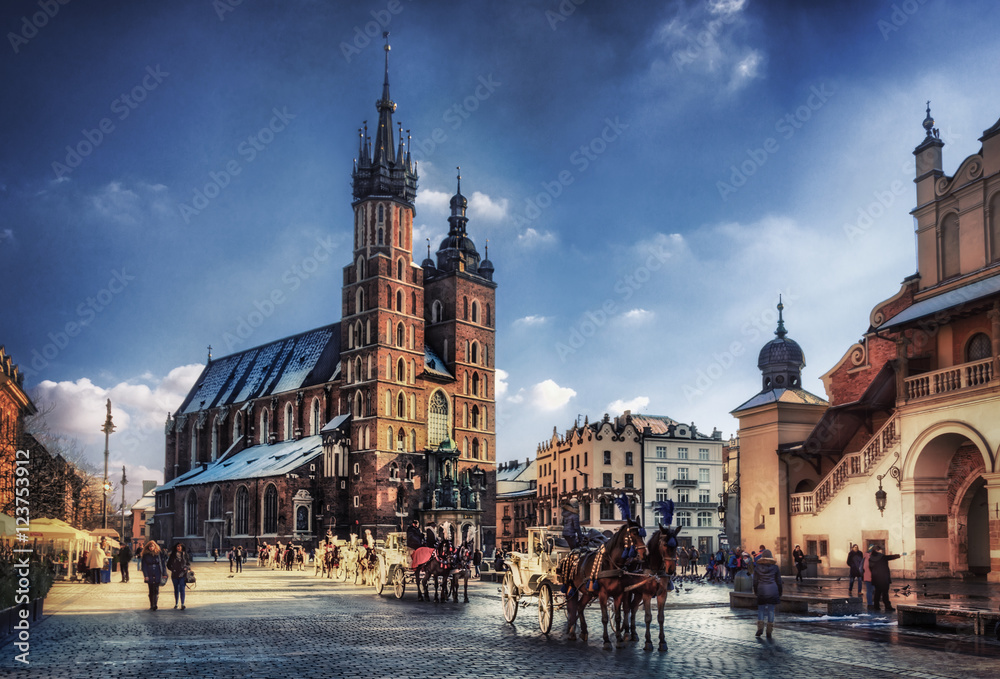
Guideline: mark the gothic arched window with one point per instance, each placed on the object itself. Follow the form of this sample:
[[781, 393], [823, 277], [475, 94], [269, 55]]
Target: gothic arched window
[[270, 509], [437, 419], [241, 510]]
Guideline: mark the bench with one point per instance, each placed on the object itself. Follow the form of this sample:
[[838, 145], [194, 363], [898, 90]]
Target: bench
[[799, 603], [983, 621]]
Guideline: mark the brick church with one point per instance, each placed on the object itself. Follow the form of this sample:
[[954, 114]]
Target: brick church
[[367, 423]]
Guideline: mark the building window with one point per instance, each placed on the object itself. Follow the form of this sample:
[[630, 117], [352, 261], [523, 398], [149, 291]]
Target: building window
[[302, 519], [357, 501], [394, 471], [194, 446], [704, 519], [703, 475], [703, 453], [704, 497], [607, 480], [400, 336], [661, 474], [661, 452], [270, 509], [629, 480], [607, 457], [191, 514], [628, 458], [682, 473], [662, 494], [436, 311], [950, 259], [980, 348], [683, 518], [215, 439], [215, 504], [683, 495], [241, 510], [475, 312], [409, 472], [607, 510], [315, 418], [437, 420], [265, 431], [289, 423], [682, 453]]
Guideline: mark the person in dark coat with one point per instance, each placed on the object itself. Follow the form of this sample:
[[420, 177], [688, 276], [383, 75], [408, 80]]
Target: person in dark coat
[[178, 564], [414, 537], [768, 588], [800, 562], [571, 523], [878, 563], [152, 570], [856, 562], [124, 556]]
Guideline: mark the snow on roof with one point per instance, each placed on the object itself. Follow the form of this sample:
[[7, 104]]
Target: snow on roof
[[287, 364], [335, 423], [434, 365], [255, 462]]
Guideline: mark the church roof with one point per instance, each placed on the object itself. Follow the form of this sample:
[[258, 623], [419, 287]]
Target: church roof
[[294, 362], [276, 459], [782, 396], [434, 365]]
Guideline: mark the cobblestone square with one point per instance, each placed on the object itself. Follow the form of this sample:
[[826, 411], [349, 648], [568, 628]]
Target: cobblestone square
[[266, 623]]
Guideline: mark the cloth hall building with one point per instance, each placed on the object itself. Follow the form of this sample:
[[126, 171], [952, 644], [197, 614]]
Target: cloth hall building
[[366, 423]]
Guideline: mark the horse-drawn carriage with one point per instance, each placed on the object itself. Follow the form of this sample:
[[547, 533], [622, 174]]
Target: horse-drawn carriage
[[621, 574], [394, 565]]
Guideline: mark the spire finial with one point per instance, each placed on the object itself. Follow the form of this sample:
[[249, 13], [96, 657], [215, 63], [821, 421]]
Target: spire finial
[[780, 332], [385, 35], [487, 248], [209, 353], [428, 248], [459, 168], [929, 121]]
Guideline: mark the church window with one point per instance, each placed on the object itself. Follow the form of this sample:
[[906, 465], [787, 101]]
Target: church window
[[368, 442], [437, 311], [979, 348], [465, 415], [413, 448], [413, 303], [388, 404], [270, 509], [215, 439], [241, 510], [437, 419], [475, 356], [359, 301], [289, 423], [381, 236], [475, 311], [215, 504], [357, 369], [401, 406], [399, 268], [465, 308], [194, 445], [368, 331], [237, 426], [265, 430], [381, 213], [475, 448], [191, 514], [399, 301], [409, 471], [475, 417], [394, 471], [302, 519], [486, 450], [389, 439], [465, 447], [413, 370], [359, 270], [475, 384], [400, 336], [401, 370], [357, 334], [950, 258], [401, 440], [489, 320], [486, 355], [314, 429]]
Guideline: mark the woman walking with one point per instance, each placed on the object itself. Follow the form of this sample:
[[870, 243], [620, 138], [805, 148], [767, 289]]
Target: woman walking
[[178, 564], [800, 562], [152, 570], [768, 588]]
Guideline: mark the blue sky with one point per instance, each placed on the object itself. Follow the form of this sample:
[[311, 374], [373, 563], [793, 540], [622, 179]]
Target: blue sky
[[650, 176]]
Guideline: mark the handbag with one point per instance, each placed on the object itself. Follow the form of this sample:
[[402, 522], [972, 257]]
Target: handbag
[[189, 575], [163, 580]]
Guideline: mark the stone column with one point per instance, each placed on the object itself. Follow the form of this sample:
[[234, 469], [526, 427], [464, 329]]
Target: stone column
[[993, 509]]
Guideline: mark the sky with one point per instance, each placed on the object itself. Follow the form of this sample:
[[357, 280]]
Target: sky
[[650, 176]]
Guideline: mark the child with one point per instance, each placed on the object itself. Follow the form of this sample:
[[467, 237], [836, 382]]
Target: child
[[768, 588]]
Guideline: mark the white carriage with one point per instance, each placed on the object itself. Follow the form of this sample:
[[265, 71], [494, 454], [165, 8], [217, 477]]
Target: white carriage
[[532, 575]]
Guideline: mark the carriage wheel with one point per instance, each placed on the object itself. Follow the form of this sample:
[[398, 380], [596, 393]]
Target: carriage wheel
[[379, 583], [340, 573], [398, 582], [508, 597], [357, 573], [545, 607]]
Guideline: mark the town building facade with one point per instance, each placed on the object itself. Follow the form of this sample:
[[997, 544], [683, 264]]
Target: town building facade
[[15, 405], [517, 494], [384, 416], [905, 454]]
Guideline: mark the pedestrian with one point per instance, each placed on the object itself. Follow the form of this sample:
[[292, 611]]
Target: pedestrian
[[683, 559], [238, 558], [571, 523], [878, 563], [498, 564], [477, 561], [152, 571], [856, 562], [414, 537], [229, 555], [215, 555], [694, 561], [866, 573], [768, 588], [124, 556], [178, 564], [800, 562], [95, 562]]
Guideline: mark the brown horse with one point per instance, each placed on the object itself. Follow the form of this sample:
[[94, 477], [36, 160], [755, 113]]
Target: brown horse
[[438, 567], [658, 568], [599, 574]]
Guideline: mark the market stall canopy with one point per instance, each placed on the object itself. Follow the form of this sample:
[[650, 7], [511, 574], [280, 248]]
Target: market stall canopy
[[55, 529], [7, 524]]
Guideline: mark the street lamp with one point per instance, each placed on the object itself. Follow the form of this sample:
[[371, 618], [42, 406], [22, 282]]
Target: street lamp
[[108, 428], [124, 481], [880, 495]]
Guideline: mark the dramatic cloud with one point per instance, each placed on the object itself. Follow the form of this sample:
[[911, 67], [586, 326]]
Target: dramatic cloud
[[434, 201], [549, 396], [501, 384], [484, 207]]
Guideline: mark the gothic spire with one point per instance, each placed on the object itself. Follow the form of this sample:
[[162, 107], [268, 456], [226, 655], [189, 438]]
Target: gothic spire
[[384, 149]]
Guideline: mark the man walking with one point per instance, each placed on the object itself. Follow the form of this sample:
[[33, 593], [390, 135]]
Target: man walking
[[124, 556], [856, 562], [238, 557]]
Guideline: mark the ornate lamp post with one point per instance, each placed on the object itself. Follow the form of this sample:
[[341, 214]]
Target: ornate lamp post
[[880, 495], [124, 481], [108, 428]]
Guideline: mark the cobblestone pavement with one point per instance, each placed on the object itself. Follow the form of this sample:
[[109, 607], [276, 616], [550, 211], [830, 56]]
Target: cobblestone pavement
[[265, 623]]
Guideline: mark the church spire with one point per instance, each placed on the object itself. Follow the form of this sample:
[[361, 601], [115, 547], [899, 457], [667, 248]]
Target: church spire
[[384, 149]]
